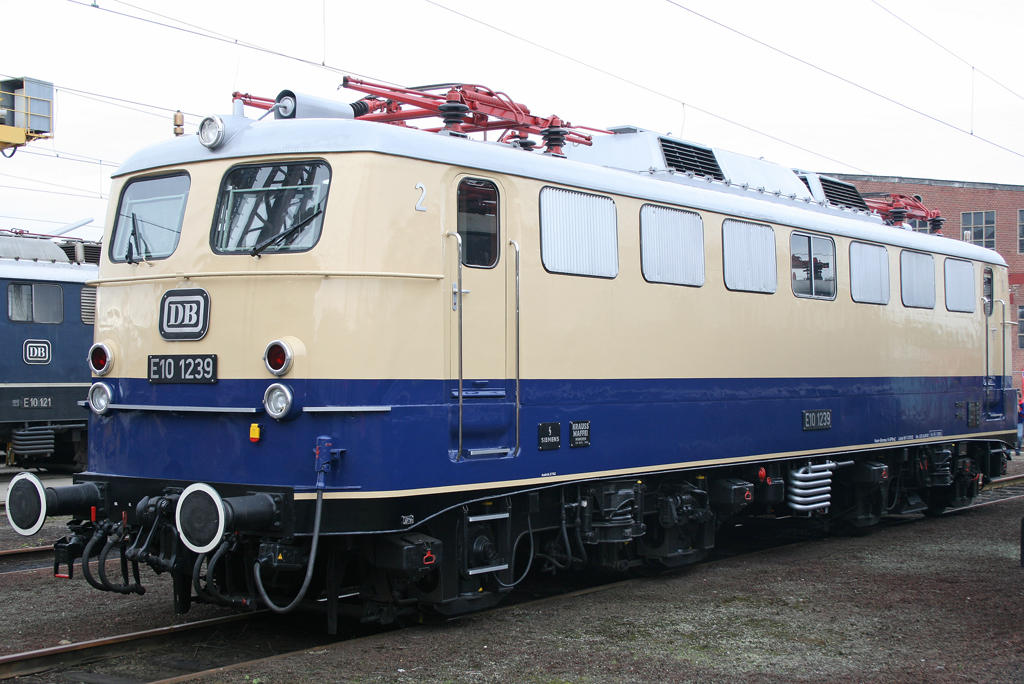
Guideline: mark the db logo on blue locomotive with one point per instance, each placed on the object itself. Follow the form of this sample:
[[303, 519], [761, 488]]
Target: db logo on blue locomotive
[[36, 351], [184, 314]]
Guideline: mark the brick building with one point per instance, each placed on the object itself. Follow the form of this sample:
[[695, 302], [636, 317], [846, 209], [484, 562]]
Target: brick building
[[987, 214]]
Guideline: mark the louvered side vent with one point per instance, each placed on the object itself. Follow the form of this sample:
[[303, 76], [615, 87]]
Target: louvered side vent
[[69, 249], [842, 194], [806, 182], [89, 305], [92, 252], [690, 158]]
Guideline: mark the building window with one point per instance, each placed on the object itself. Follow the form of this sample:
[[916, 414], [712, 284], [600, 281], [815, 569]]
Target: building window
[[979, 228], [671, 246], [1020, 327], [478, 222], [813, 266], [920, 225], [1020, 231]]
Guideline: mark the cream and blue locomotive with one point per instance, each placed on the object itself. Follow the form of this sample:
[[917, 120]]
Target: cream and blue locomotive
[[45, 337], [394, 370]]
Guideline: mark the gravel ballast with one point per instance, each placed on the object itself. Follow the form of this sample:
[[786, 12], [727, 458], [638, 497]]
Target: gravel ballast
[[936, 600]]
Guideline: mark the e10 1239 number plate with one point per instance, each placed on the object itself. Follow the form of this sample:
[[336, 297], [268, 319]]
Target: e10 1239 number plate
[[820, 419], [182, 368]]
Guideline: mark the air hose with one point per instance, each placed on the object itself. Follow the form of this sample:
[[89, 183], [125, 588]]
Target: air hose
[[309, 566]]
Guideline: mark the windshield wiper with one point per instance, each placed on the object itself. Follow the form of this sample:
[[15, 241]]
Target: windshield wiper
[[281, 236], [133, 236]]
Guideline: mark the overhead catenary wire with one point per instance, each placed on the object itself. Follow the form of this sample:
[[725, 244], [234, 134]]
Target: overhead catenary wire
[[943, 47], [206, 33], [212, 35], [33, 180], [843, 79], [646, 88], [71, 156], [94, 196]]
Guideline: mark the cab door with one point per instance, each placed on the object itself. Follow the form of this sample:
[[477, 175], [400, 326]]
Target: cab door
[[482, 409], [995, 346]]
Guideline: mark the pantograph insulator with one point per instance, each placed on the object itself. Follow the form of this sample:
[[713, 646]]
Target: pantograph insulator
[[452, 112], [554, 137]]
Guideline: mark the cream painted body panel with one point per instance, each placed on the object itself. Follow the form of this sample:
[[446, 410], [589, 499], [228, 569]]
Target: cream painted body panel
[[365, 324]]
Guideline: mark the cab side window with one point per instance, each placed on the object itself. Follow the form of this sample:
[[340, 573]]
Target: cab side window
[[35, 303], [478, 222]]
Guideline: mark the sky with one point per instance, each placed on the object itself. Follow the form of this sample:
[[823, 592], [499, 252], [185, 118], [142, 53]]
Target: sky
[[916, 88]]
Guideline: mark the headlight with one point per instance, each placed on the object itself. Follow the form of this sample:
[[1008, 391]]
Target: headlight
[[212, 132], [99, 398], [278, 401]]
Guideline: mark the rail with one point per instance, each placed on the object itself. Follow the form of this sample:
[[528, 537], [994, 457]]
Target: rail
[[30, 662]]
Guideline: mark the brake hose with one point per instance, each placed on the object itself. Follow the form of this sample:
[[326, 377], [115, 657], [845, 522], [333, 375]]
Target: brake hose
[[309, 566]]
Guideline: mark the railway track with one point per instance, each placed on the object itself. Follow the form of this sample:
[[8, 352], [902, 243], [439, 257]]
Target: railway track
[[32, 662], [90, 652]]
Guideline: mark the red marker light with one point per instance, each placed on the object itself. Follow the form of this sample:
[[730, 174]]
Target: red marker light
[[762, 475], [99, 358], [276, 357]]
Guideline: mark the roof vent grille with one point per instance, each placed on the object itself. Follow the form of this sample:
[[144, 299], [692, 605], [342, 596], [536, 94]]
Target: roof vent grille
[[698, 160], [841, 194]]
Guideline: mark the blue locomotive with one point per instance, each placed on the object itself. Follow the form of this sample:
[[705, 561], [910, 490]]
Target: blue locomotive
[[393, 369], [46, 335]]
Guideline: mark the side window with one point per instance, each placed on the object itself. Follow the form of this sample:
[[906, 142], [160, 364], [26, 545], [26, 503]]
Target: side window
[[988, 291], [578, 233], [478, 222], [149, 217], [869, 273], [748, 251], [917, 280], [959, 277], [813, 266], [671, 246], [35, 303], [271, 208]]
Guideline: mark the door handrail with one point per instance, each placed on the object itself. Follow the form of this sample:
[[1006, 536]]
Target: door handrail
[[518, 402], [458, 243]]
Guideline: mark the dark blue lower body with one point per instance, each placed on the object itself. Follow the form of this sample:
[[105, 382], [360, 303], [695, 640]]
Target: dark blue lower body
[[635, 425]]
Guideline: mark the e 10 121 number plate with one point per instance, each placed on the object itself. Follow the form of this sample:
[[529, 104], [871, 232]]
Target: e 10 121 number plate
[[182, 368]]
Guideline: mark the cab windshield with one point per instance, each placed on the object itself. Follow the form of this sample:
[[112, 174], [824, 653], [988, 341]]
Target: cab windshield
[[149, 218], [271, 208]]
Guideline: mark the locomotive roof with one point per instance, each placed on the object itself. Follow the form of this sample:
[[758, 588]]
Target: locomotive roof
[[321, 136], [57, 272]]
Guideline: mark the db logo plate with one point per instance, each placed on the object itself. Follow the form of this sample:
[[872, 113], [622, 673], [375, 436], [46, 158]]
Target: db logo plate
[[184, 314], [36, 352]]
